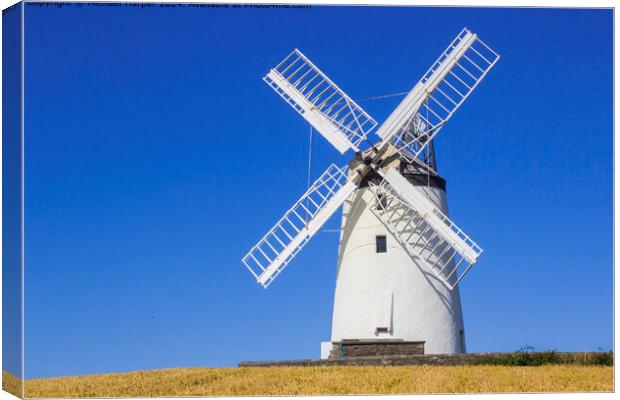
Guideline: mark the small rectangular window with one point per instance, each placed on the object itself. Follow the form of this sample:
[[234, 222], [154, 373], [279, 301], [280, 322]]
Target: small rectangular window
[[381, 202], [381, 244]]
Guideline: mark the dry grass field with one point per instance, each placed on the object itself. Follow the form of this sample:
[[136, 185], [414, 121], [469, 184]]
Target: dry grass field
[[328, 380], [11, 384]]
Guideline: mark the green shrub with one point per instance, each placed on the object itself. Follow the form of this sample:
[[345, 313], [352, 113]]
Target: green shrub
[[525, 356], [595, 358]]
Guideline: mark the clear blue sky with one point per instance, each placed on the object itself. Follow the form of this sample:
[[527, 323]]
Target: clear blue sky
[[156, 156]]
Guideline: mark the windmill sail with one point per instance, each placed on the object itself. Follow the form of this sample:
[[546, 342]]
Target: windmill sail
[[440, 92], [424, 230], [291, 233], [320, 101]]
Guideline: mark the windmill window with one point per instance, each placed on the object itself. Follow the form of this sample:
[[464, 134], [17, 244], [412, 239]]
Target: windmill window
[[381, 244], [381, 202]]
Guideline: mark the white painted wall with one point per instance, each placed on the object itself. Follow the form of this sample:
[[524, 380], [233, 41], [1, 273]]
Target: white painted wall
[[391, 288], [326, 349]]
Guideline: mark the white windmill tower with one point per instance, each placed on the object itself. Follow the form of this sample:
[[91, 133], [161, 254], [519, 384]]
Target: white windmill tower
[[400, 256]]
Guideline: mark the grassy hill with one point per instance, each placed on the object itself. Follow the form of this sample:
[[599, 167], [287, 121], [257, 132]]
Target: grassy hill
[[327, 380]]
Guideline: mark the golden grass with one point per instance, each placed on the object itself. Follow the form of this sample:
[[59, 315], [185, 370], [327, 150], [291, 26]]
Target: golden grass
[[328, 380], [11, 384]]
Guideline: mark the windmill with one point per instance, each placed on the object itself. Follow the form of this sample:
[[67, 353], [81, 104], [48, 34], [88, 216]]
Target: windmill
[[400, 257]]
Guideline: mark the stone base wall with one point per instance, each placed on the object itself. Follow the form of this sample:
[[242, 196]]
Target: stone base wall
[[366, 348]]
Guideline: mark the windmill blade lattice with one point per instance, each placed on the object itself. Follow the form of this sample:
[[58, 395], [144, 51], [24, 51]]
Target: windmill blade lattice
[[440, 92], [425, 231], [421, 227], [320, 101], [302, 221]]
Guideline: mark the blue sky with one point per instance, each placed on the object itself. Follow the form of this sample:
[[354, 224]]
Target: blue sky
[[156, 156]]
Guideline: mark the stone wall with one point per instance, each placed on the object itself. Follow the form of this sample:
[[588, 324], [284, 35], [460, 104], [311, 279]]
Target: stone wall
[[365, 348], [421, 359]]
